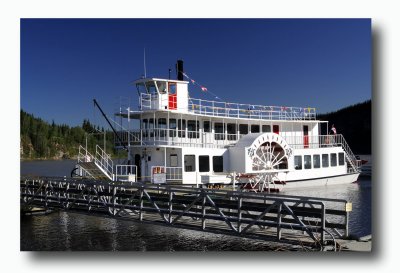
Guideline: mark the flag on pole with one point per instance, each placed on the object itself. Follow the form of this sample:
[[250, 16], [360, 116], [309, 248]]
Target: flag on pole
[[203, 88]]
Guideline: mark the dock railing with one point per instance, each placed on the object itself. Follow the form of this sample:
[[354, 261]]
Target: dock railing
[[301, 220]]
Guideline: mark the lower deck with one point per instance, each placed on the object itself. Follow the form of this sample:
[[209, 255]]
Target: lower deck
[[199, 166]]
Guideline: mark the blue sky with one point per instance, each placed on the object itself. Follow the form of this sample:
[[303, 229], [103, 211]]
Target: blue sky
[[65, 63]]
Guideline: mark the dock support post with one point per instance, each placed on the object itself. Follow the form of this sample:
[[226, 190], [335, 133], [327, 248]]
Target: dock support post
[[141, 205], [278, 228], [114, 198], [239, 224], [170, 207], [346, 232], [323, 224], [203, 211]]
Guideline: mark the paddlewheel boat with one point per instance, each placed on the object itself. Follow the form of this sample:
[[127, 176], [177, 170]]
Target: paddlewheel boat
[[174, 138]]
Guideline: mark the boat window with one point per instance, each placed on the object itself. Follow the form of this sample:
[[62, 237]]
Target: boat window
[[255, 128], [145, 121], [151, 127], [162, 126], [193, 129], [190, 163], [141, 88], [173, 160], [297, 162], [172, 87], [151, 88], [206, 126], [204, 163], [181, 128], [218, 164], [341, 159], [219, 131], [243, 129], [307, 162], [333, 160], [266, 128], [172, 127], [231, 131], [316, 161], [325, 160], [275, 129], [145, 127], [162, 87]]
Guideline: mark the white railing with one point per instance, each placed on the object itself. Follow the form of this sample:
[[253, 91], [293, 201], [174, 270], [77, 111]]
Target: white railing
[[232, 110], [84, 156], [162, 174], [125, 173], [174, 173], [104, 161]]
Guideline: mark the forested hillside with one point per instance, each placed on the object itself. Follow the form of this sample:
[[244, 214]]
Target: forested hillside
[[354, 122], [41, 140]]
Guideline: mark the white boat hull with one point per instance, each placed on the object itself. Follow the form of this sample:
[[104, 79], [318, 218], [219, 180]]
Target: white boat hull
[[324, 181]]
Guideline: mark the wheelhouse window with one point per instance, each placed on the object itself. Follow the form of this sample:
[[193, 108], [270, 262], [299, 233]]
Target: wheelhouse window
[[307, 162], [243, 129], [266, 128], [231, 131], [204, 163], [162, 87], [172, 127], [193, 129], [316, 161], [219, 131], [333, 160], [255, 128], [341, 159], [298, 165], [218, 164], [190, 163], [181, 128], [325, 160], [206, 126], [151, 88]]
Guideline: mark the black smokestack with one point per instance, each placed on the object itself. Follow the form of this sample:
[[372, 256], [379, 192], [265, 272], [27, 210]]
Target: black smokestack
[[180, 70]]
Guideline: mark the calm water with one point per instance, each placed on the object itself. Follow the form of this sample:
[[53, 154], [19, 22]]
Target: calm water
[[71, 231]]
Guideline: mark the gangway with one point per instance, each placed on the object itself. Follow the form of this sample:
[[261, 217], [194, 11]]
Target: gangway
[[101, 167]]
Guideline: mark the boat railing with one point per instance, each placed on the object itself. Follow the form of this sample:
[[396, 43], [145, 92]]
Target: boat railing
[[126, 173], [162, 174], [230, 110], [250, 111], [174, 137], [104, 160]]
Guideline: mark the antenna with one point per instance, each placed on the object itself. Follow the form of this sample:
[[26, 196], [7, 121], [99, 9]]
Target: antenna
[[144, 61]]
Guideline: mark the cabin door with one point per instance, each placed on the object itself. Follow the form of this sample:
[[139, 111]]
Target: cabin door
[[275, 129], [305, 136], [138, 166], [172, 99]]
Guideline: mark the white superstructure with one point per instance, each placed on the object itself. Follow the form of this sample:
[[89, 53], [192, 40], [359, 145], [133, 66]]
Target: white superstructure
[[174, 138]]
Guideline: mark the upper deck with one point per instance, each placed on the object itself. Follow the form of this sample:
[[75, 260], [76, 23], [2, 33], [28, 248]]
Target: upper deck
[[155, 102], [172, 95]]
